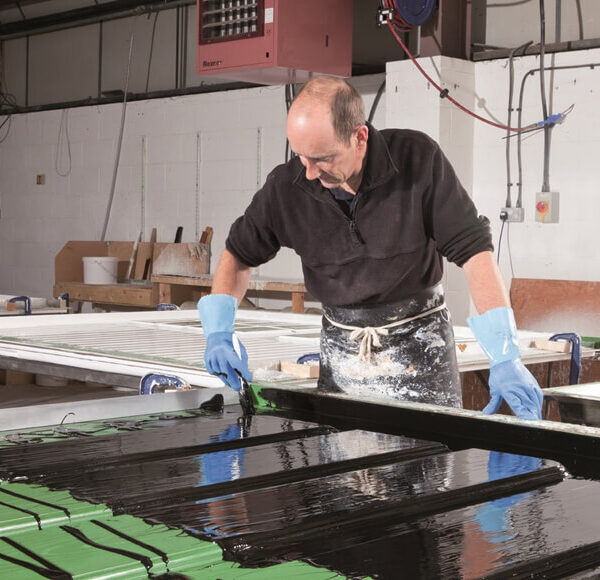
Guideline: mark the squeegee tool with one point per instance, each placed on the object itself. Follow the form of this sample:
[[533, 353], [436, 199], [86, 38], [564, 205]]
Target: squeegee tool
[[246, 401], [245, 392]]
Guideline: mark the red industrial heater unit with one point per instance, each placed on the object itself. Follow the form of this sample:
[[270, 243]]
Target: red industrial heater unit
[[274, 41]]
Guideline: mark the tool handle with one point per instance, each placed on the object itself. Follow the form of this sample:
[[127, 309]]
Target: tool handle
[[178, 234], [236, 347]]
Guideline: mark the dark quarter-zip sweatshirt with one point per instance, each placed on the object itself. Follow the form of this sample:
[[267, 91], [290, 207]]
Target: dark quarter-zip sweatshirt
[[410, 211]]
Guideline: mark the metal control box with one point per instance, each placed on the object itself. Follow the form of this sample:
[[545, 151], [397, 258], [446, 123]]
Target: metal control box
[[274, 41], [546, 207]]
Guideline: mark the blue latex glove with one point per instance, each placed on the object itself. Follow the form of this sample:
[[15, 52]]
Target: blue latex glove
[[511, 381], [217, 313], [496, 332]]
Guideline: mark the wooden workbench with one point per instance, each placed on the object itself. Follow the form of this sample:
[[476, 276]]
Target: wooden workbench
[[138, 295], [262, 287]]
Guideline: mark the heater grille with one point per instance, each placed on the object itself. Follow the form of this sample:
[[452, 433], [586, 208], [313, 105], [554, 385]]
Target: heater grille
[[222, 20]]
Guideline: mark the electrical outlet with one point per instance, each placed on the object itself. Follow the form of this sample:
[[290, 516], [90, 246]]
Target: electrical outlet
[[546, 207], [512, 214]]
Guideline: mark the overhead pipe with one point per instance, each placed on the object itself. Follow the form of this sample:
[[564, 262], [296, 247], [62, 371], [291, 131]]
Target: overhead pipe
[[86, 16], [118, 98]]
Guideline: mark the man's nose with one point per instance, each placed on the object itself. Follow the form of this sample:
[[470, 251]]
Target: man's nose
[[312, 171]]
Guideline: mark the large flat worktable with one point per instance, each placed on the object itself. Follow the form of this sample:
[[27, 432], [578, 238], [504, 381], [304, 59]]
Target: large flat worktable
[[263, 287]]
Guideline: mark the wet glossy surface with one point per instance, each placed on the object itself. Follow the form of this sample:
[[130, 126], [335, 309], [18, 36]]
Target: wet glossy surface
[[361, 497], [527, 536], [196, 476], [357, 502], [577, 447], [154, 436]]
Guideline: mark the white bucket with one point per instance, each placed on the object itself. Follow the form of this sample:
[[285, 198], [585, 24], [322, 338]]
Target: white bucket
[[100, 270]]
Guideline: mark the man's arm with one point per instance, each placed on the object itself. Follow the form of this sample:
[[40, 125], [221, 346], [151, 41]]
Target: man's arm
[[231, 277], [225, 356], [496, 332], [485, 282]]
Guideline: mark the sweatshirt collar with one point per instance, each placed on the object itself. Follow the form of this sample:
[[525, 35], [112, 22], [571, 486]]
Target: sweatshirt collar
[[379, 166]]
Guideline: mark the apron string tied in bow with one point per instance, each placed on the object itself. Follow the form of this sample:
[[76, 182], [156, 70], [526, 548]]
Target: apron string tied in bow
[[369, 335]]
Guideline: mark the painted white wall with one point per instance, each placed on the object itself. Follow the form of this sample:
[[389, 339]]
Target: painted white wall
[[37, 220], [510, 23], [565, 250], [205, 156]]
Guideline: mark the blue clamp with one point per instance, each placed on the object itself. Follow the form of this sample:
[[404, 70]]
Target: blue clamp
[[167, 306], [152, 383], [306, 358], [575, 341], [24, 299]]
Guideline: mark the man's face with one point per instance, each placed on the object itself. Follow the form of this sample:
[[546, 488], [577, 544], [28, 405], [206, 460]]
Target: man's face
[[324, 156]]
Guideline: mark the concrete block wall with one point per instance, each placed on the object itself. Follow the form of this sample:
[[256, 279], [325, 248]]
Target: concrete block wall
[[192, 161], [197, 160], [565, 250], [568, 249], [412, 102]]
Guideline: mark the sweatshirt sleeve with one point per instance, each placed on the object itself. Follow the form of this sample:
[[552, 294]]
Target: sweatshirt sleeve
[[450, 215], [252, 239]]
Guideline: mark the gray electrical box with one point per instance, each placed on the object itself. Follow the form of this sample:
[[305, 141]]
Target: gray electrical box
[[546, 207]]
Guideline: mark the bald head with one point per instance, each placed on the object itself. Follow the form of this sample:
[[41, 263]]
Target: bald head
[[326, 129], [330, 99]]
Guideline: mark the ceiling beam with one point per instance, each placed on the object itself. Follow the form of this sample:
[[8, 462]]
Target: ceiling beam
[[85, 16]]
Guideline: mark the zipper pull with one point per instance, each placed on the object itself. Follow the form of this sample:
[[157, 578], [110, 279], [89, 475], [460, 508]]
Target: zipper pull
[[356, 237]]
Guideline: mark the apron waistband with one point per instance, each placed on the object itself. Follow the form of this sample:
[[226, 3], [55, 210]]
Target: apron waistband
[[369, 335]]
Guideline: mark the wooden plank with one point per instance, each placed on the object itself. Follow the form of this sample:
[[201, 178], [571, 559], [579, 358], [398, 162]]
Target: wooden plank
[[552, 345], [257, 287], [164, 293], [206, 236], [277, 285], [297, 302], [144, 253], [299, 370], [150, 261], [121, 294], [11, 377], [183, 259], [201, 281], [205, 280], [556, 305]]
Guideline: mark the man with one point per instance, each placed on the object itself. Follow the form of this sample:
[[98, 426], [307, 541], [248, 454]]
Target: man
[[371, 213]]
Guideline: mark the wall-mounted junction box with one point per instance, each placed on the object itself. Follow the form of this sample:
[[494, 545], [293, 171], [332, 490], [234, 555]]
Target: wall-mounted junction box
[[546, 207], [274, 41], [512, 214]]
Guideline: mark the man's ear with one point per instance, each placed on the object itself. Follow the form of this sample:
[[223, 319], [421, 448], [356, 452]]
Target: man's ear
[[362, 135]]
